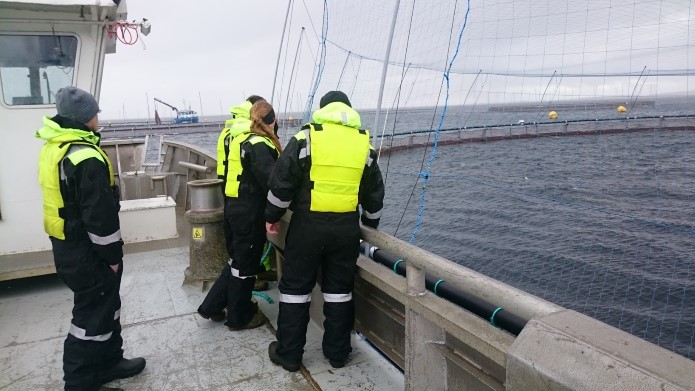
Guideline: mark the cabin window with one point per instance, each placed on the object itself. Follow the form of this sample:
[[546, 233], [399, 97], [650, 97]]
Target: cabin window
[[34, 67]]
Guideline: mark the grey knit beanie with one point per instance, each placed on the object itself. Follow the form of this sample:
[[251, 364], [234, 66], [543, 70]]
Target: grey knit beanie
[[76, 104]]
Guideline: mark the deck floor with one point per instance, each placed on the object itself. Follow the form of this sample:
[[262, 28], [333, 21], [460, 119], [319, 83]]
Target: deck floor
[[183, 351]]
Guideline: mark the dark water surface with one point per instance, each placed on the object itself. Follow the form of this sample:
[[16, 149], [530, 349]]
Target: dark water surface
[[600, 224]]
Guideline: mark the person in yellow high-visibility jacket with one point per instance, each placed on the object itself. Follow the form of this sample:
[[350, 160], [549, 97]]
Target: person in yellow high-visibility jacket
[[326, 172], [239, 123], [81, 204], [251, 157]]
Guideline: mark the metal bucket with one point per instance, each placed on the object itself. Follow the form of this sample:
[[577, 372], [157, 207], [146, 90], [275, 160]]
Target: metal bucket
[[205, 195]]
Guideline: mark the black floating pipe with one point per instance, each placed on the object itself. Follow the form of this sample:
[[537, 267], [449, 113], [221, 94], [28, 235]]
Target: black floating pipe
[[490, 312]]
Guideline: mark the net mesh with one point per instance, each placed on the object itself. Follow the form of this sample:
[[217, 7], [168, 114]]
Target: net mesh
[[601, 224]]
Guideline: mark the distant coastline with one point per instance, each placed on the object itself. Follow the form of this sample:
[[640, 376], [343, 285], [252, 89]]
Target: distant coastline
[[516, 108]]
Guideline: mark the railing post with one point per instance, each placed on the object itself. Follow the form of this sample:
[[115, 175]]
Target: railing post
[[425, 366], [416, 281]]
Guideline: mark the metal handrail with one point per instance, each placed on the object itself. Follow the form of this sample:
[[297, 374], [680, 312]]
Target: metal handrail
[[195, 167]]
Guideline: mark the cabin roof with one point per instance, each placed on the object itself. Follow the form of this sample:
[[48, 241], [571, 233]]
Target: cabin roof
[[99, 3]]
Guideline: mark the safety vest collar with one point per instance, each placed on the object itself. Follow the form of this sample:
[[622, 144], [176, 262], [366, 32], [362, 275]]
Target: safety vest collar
[[259, 138], [240, 125], [337, 113], [52, 132]]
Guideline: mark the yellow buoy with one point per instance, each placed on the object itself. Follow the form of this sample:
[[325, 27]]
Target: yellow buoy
[[621, 109], [552, 115]]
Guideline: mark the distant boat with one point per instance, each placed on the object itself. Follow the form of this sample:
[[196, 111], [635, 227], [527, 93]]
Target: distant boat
[[182, 116], [186, 116]]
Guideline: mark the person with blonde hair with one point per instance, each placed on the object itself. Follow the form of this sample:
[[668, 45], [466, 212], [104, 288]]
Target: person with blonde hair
[[240, 121], [263, 123], [250, 160]]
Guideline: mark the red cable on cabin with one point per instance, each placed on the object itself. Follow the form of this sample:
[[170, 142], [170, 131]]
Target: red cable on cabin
[[119, 30]]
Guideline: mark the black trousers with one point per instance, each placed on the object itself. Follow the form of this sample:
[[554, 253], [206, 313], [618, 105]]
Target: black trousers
[[329, 241], [245, 241], [227, 229], [94, 341]]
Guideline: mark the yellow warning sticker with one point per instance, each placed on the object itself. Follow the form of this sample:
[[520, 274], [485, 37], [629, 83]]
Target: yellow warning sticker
[[198, 233]]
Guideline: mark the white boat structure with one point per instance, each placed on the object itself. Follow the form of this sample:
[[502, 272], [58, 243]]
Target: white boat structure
[[423, 341]]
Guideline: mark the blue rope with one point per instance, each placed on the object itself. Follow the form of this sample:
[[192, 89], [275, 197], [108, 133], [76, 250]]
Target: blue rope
[[263, 295], [395, 265], [436, 285], [492, 317], [426, 174]]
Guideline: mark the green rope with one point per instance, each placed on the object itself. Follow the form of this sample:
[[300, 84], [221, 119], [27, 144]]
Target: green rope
[[436, 285], [265, 296], [492, 317], [395, 265]]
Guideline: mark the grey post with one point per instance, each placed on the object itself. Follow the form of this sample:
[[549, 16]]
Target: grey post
[[208, 252], [425, 366], [383, 72]]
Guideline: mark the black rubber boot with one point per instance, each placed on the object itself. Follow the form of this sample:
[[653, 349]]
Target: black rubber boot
[[279, 360], [124, 369]]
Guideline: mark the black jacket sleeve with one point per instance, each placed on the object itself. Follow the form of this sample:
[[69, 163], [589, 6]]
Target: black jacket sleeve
[[371, 194], [98, 204], [285, 180]]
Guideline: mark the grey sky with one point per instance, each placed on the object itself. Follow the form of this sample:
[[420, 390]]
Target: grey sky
[[227, 50], [223, 49]]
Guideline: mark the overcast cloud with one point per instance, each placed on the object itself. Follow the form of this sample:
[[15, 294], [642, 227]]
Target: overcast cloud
[[225, 51]]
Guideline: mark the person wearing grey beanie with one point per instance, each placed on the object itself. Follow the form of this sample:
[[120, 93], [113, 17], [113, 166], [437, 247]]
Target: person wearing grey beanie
[[80, 206], [77, 105]]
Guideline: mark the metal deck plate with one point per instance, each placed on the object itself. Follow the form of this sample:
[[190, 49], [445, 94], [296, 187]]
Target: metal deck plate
[[183, 351]]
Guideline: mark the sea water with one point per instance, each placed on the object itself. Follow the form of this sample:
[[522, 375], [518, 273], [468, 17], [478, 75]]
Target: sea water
[[601, 224]]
